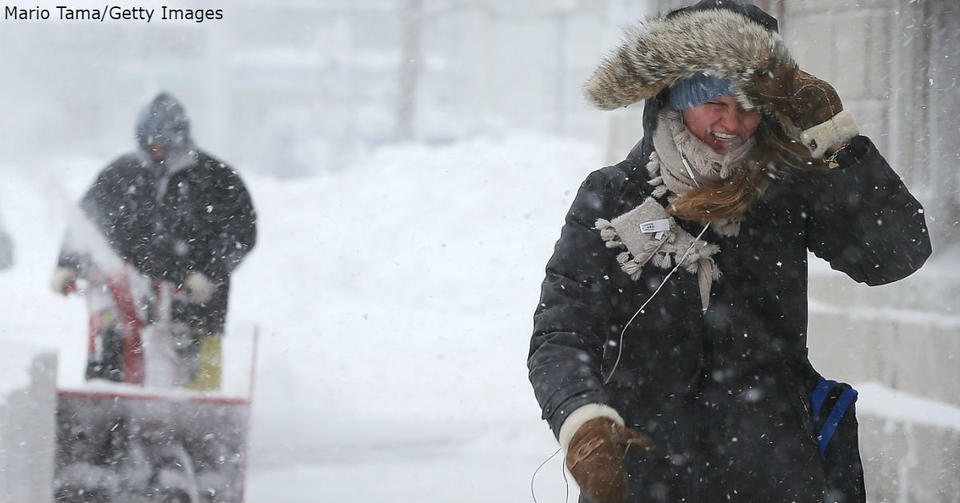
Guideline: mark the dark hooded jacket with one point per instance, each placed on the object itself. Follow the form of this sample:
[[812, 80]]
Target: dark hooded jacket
[[187, 213], [724, 394]]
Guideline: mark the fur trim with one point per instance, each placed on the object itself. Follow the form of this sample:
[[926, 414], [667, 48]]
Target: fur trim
[[718, 42], [579, 417], [838, 129]]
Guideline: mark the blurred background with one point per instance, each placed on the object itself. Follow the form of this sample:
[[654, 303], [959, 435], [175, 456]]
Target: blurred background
[[411, 162]]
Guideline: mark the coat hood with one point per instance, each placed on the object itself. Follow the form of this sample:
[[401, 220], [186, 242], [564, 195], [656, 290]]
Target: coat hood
[[164, 121], [716, 37]]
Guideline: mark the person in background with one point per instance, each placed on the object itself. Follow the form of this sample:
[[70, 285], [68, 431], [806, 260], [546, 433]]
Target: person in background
[[176, 216], [669, 351], [6, 247]]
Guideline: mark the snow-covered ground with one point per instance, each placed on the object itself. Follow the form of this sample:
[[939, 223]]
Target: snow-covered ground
[[394, 299], [400, 296]]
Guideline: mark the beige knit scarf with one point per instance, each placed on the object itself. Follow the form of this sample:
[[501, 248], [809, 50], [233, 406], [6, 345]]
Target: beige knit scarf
[[647, 233]]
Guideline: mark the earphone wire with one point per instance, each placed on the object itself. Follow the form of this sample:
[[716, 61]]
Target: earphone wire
[[654, 294], [533, 478], [616, 363]]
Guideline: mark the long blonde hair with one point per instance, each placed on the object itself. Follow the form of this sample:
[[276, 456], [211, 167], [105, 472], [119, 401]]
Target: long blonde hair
[[773, 153]]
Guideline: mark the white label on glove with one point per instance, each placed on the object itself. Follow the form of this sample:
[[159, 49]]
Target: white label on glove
[[661, 225]]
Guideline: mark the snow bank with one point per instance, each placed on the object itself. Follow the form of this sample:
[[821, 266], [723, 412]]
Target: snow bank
[[396, 297], [28, 377], [881, 401], [908, 444]]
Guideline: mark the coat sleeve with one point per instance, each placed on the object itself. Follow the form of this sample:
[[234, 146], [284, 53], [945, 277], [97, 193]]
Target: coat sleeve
[[225, 227], [118, 215], [74, 250], [862, 219], [571, 321]]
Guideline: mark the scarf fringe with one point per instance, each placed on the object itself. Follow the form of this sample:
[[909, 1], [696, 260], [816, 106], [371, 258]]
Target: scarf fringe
[[664, 253], [608, 233], [630, 263]]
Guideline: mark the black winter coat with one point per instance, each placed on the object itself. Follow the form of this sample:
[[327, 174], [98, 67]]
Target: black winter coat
[[723, 394], [198, 218]]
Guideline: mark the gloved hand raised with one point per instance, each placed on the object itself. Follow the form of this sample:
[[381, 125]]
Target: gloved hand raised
[[199, 288], [809, 108], [595, 458], [64, 280]]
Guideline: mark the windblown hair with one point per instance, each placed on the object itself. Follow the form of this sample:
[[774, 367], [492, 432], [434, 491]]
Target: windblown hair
[[773, 154]]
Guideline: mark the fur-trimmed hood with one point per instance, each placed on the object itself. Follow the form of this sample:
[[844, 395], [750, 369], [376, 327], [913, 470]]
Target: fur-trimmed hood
[[716, 37]]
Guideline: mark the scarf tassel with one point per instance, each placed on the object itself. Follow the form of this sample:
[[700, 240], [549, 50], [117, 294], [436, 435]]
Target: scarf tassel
[[707, 273], [608, 233], [630, 264]]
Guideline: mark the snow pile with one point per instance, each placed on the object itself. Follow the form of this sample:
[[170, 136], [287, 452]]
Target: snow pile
[[880, 401], [396, 297], [28, 377]]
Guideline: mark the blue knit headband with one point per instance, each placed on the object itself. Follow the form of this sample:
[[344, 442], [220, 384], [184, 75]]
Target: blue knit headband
[[697, 89]]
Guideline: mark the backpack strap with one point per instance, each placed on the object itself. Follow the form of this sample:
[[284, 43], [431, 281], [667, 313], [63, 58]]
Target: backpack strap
[[830, 401], [819, 395]]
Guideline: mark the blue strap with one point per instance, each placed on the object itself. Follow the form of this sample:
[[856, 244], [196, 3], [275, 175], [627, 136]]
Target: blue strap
[[830, 425], [819, 394]]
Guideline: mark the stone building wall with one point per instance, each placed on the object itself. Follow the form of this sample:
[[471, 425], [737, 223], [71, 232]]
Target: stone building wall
[[895, 65]]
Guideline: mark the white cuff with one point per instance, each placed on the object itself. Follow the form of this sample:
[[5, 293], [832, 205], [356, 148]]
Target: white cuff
[[577, 418], [838, 129]]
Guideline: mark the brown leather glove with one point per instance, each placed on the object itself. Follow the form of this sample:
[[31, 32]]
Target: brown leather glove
[[809, 108], [595, 458]]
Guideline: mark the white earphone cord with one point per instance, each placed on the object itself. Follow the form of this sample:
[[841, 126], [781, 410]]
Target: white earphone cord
[[683, 158], [624, 331], [654, 294]]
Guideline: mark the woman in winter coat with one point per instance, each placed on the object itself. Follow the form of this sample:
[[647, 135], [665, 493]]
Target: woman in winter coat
[[669, 347]]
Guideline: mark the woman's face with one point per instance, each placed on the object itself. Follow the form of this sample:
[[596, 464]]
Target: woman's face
[[721, 123]]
